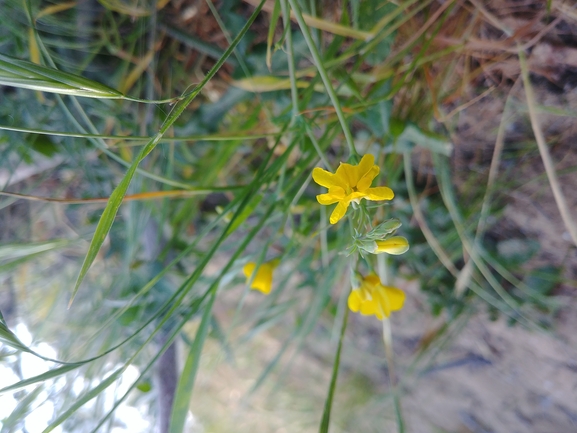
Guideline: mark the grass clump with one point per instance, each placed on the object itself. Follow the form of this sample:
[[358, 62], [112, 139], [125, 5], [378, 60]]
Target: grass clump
[[166, 149]]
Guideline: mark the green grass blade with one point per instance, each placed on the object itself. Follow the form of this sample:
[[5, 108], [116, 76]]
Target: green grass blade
[[15, 251], [8, 338], [210, 50], [41, 377], [187, 377], [325, 77], [329, 401], [449, 198], [107, 218], [193, 309], [247, 211], [20, 73], [270, 36], [94, 392], [24, 408], [229, 136]]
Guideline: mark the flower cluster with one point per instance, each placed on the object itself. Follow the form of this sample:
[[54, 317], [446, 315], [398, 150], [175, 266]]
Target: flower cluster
[[351, 183]]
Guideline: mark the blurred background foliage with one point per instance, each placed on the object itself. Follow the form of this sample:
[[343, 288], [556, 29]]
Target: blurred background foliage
[[230, 181]]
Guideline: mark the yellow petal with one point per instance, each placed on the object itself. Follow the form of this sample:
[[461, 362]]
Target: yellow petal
[[395, 245], [357, 304], [326, 178], [337, 191], [354, 301], [372, 280], [327, 199], [379, 193], [368, 178], [263, 279], [248, 269], [370, 308], [383, 303], [339, 212], [348, 174], [355, 196], [396, 298], [366, 164], [389, 299], [374, 299]]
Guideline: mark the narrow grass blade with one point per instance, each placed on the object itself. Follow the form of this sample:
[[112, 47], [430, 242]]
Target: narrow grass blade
[[14, 251], [324, 76], [20, 73], [449, 198], [41, 377], [327, 26], [187, 377], [246, 212], [152, 195], [566, 214], [267, 83], [107, 218], [210, 50], [125, 9], [229, 136], [270, 37], [94, 392], [51, 10], [329, 401], [8, 338], [21, 411]]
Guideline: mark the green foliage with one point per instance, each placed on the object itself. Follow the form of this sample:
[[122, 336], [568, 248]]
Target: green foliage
[[162, 191]]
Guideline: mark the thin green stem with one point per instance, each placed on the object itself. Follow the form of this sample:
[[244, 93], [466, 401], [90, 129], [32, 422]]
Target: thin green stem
[[291, 59], [210, 137], [388, 342], [324, 428], [324, 76]]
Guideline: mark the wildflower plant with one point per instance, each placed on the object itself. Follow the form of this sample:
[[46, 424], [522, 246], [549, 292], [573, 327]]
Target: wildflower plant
[[369, 296], [119, 149]]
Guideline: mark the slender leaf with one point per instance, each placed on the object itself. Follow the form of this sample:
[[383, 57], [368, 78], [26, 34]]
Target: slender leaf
[[94, 392], [270, 36], [20, 73], [50, 374], [187, 377], [107, 218], [24, 407], [8, 338], [329, 401]]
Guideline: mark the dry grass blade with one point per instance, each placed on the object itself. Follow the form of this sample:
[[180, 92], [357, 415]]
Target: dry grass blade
[[566, 214], [152, 195], [317, 23]]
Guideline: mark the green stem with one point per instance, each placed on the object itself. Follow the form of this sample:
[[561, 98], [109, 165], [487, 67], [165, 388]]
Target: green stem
[[388, 341], [291, 59], [324, 428], [324, 76]]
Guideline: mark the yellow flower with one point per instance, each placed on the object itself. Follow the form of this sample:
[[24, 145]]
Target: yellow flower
[[395, 245], [372, 298], [263, 278], [350, 183]]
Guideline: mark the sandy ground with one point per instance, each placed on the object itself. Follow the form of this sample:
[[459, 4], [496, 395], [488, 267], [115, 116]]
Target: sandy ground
[[493, 377]]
